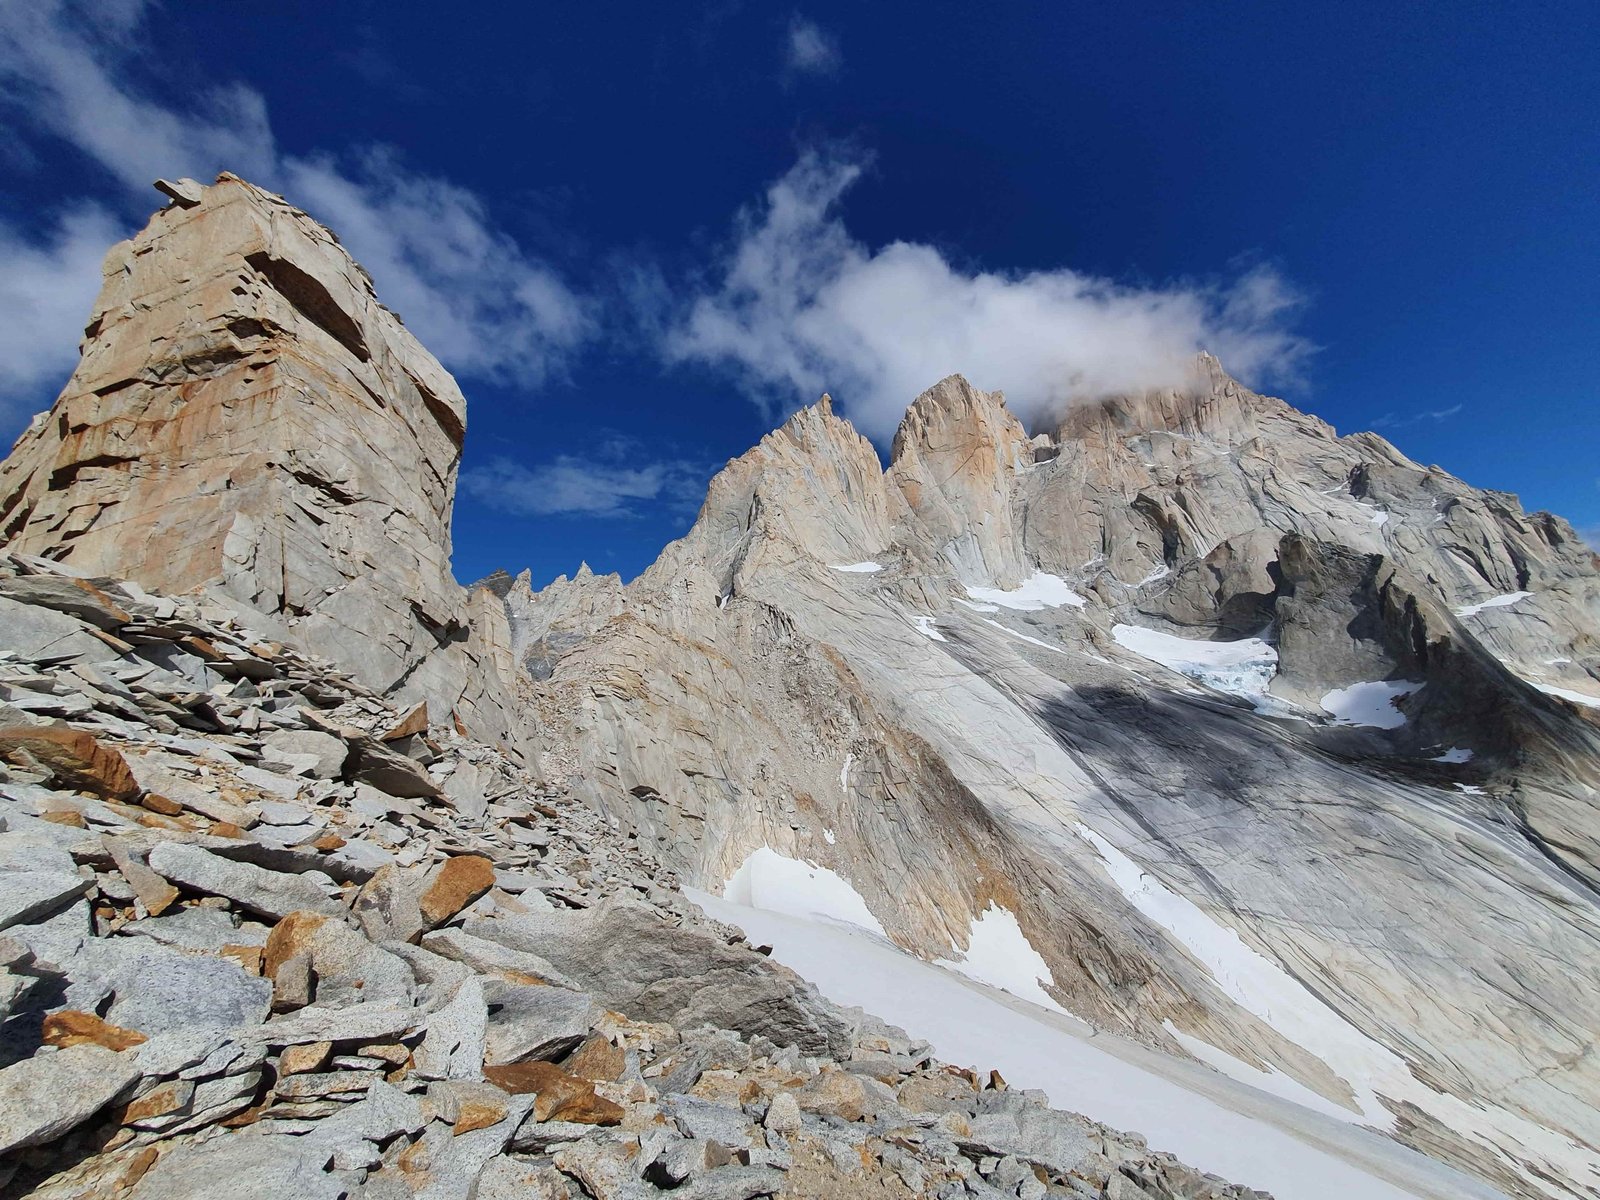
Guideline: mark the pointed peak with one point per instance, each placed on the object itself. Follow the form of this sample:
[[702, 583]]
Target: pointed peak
[[583, 571], [954, 410]]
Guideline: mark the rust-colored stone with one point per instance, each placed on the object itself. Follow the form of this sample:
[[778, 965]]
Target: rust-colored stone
[[558, 1095], [76, 759], [597, 1059], [157, 803], [327, 842], [134, 1169], [289, 937], [415, 721], [158, 1101], [72, 1028], [225, 829], [248, 957], [456, 884], [65, 816], [304, 1058], [479, 1112]]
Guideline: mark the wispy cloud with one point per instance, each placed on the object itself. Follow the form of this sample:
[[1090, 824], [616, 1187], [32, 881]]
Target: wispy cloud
[[486, 306], [608, 484], [802, 306], [46, 288], [1400, 421], [809, 49]]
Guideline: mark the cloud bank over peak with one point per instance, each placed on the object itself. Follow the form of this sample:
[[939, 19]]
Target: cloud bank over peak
[[802, 307]]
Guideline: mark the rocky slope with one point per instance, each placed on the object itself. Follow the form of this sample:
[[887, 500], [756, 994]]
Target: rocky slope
[[1274, 742], [274, 925], [249, 419], [259, 925]]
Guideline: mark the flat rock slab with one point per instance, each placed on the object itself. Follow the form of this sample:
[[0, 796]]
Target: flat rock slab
[[27, 896], [249, 1166], [39, 635], [356, 1023], [75, 597], [47, 1096], [391, 772], [267, 893], [158, 990], [325, 753], [535, 1022]]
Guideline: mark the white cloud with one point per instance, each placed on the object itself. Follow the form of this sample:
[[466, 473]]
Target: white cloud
[[810, 50], [605, 486], [472, 295], [1396, 421], [803, 307], [46, 289]]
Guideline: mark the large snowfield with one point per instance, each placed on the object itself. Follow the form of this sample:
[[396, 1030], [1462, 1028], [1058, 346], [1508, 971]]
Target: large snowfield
[[818, 925]]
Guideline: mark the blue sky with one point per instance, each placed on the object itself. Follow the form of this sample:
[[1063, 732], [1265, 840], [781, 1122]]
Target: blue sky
[[640, 234]]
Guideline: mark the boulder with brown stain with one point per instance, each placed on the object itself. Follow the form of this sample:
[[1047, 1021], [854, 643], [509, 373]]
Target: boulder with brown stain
[[558, 1095], [597, 1060], [289, 937], [304, 1058], [76, 759], [74, 1028], [456, 884], [415, 721]]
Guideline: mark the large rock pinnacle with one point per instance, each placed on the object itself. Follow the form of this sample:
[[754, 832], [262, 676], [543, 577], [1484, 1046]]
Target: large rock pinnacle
[[248, 419]]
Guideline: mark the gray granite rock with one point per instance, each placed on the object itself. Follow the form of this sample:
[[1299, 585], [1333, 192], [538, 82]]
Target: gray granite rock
[[254, 1166], [534, 1022], [454, 1038], [266, 893], [48, 1095]]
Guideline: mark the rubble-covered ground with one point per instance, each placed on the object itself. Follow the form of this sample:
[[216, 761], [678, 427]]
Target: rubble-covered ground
[[264, 935]]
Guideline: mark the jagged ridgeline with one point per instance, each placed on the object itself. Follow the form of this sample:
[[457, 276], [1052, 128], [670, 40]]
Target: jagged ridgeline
[[324, 876]]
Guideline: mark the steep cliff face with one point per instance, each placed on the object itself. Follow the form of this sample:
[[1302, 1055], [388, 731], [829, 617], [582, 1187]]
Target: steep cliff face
[[1242, 720], [249, 419]]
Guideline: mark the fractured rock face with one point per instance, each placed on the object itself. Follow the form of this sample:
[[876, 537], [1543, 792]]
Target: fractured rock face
[[248, 418], [929, 680]]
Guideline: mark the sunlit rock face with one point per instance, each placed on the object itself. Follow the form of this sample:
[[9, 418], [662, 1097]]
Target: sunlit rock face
[[248, 418], [1250, 726]]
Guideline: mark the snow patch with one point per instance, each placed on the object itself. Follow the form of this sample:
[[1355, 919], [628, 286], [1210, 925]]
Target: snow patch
[[1260, 986], [1510, 598], [827, 836], [1160, 572], [860, 568], [1253, 982], [970, 1025], [1243, 668], [1270, 1079], [1455, 754], [1568, 694], [924, 625], [978, 607], [1369, 704], [774, 882], [998, 953], [844, 773], [1032, 594]]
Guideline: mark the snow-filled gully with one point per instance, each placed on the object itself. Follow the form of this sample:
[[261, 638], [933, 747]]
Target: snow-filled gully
[[986, 1007]]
